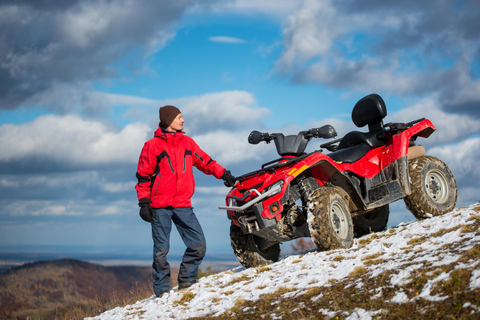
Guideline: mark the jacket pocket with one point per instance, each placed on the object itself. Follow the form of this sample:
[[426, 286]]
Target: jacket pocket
[[187, 153], [156, 184]]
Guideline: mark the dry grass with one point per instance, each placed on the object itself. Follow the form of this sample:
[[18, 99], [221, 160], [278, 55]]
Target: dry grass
[[186, 298], [362, 290], [102, 304], [342, 298], [98, 305]]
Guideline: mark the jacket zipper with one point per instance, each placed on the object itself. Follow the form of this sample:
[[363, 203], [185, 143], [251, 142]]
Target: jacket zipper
[[158, 183]]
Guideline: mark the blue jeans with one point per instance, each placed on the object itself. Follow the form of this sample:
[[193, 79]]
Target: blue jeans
[[192, 235]]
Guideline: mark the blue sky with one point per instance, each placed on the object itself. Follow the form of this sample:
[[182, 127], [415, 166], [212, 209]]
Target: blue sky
[[82, 81]]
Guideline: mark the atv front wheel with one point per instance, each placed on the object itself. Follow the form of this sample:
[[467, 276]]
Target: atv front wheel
[[374, 220], [247, 251], [434, 190], [329, 219]]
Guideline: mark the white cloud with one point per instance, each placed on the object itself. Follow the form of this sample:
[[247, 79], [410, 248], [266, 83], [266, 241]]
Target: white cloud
[[57, 208], [211, 190], [81, 99], [225, 39], [271, 8], [233, 109], [9, 183], [219, 122], [463, 93], [71, 140], [61, 181], [206, 112], [89, 21], [450, 127], [396, 48], [115, 187], [320, 47], [119, 207], [39, 208], [229, 148], [126, 100], [77, 41], [467, 195], [309, 32], [463, 157]]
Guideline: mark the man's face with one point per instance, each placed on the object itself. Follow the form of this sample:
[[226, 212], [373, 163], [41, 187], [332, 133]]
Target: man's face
[[177, 123]]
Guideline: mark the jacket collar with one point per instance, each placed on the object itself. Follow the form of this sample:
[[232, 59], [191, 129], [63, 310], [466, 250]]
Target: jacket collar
[[168, 135]]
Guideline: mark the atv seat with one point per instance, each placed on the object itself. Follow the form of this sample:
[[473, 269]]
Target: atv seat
[[369, 110], [350, 154]]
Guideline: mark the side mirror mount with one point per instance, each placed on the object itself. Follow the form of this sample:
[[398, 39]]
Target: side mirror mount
[[256, 137]]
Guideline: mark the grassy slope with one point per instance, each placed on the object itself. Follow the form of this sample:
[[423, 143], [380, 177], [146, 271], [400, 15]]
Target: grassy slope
[[423, 270], [421, 274], [364, 290]]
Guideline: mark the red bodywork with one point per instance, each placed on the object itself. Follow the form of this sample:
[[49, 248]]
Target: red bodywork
[[323, 168]]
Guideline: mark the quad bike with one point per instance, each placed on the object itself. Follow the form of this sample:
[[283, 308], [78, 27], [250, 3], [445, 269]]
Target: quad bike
[[335, 196]]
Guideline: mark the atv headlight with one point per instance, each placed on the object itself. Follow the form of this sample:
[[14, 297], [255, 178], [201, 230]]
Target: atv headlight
[[277, 186], [232, 202]]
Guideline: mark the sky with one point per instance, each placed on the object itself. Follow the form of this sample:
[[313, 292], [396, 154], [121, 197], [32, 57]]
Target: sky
[[81, 83]]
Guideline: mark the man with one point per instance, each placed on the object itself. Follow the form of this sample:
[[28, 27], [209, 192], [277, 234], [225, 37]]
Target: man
[[165, 187]]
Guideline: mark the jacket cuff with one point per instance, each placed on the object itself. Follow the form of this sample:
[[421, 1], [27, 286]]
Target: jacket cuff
[[144, 202]]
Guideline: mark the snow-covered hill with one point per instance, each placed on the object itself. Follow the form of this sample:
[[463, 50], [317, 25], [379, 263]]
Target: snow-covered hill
[[425, 268]]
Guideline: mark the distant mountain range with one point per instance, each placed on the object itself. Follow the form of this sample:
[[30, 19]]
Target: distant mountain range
[[47, 286]]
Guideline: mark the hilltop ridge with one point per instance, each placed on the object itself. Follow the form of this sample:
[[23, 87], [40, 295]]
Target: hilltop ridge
[[422, 269], [41, 288]]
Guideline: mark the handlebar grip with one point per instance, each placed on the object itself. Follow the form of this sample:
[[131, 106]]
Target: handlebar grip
[[256, 137], [326, 132]]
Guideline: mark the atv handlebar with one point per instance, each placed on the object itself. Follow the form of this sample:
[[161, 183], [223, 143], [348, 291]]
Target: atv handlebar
[[256, 137], [326, 132]]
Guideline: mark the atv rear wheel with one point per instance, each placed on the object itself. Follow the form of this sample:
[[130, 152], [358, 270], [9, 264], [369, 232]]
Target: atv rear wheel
[[329, 219], [247, 251], [374, 220], [434, 190]]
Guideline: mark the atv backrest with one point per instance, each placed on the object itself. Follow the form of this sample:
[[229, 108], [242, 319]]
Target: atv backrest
[[369, 110]]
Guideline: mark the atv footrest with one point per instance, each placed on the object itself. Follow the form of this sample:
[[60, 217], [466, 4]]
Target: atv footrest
[[385, 193]]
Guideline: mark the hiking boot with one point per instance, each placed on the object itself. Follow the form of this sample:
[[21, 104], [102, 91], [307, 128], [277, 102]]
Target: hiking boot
[[184, 285]]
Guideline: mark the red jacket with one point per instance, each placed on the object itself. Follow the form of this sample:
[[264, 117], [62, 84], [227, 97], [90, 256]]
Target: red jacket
[[164, 170]]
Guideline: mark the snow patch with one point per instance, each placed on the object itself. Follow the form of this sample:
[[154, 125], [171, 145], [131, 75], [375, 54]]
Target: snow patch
[[400, 254], [400, 297]]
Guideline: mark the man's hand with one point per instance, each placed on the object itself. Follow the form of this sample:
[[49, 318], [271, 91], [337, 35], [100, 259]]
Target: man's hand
[[146, 212], [228, 179]]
